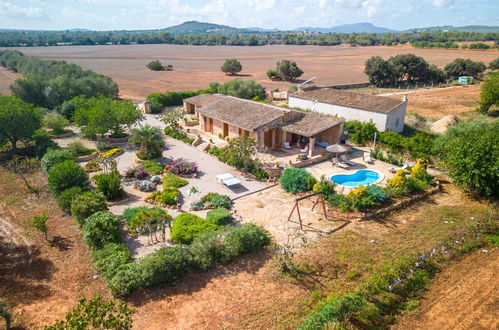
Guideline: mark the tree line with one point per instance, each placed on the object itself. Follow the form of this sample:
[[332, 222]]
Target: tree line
[[409, 69], [53, 38], [48, 83]]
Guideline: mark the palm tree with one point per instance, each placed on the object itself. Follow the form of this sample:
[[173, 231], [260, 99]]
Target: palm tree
[[149, 139]]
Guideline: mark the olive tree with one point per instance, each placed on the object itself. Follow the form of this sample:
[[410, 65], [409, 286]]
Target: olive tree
[[288, 70], [231, 66], [18, 120], [379, 71], [489, 95], [464, 67]]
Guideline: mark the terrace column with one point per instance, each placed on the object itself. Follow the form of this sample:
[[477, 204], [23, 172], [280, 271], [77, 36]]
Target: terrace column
[[311, 145]]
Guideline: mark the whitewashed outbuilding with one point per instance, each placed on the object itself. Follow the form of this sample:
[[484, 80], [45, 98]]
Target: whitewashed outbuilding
[[388, 114]]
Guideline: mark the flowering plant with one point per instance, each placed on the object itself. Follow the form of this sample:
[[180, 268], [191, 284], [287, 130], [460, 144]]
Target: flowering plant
[[182, 168]]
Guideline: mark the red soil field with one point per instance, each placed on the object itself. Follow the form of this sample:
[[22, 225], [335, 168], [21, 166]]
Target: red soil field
[[196, 66]]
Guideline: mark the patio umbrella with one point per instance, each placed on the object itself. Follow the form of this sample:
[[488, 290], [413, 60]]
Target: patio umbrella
[[337, 148]]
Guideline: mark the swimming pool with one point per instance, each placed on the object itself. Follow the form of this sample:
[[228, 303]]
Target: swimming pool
[[359, 178]]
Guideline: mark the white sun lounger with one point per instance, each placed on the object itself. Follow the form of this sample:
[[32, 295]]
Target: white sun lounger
[[340, 164], [231, 182], [225, 176], [395, 169], [367, 158]]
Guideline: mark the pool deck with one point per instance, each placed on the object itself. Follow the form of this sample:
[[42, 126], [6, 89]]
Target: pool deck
[[328, 169]]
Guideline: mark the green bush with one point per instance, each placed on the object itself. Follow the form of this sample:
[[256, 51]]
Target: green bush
[[219, 216], [55, 121], [126, 279], [66, 175], [53, 157], [87, 204], [209, 196], [360, 133], [168, 99], [222, 201], [130, 212], [43, 143], [152, 167], [186, 227], [168, 196], [260, 174], [216, 246], [393, 141], [77, 149], [165, 266], [171, 180], [378, 194], [252, 238], [178, 135], [109, 184], [296, 180], [101, 228], [110, 259], [66, 197]]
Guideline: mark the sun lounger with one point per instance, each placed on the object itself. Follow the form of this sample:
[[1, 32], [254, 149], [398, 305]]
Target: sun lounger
[[321, 144], [287, 145], [340, 164], [346, 160], [224, 176], [395, 169], [231, 182]]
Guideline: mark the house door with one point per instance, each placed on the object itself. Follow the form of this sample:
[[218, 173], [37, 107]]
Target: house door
[[208, 125], [226, 129], [267, 138]]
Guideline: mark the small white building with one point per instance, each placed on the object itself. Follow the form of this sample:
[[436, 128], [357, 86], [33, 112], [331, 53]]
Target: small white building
[[388, 114]]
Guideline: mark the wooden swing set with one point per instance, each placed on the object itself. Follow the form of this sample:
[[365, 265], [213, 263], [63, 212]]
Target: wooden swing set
[[320, 200]]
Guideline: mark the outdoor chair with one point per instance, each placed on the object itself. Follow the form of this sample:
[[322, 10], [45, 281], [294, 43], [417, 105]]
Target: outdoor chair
[[346, 160], [367, 158], [287, 145], [304, 149], [340, 164], [395, 169]]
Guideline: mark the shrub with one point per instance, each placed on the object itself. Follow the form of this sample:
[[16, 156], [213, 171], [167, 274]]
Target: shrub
[[53, 157], [104, 146], [66, 175], [77, 149], [173, 181], [261, 174], [66, 197], [178, 135], [150, 219], [419, 172], [165, 266], [216, 246], [378, 194], [197, 205], [144, 185], [325, 187], [109, 184], [219, 216], [110, 259], [360, 133], [126, 280], [398, 180], [155, 65], [55, 121], [186, 227], [231, 66], [130, 212], [152, 167], [209, 196], [101, 228], [393, 141], [138, 172], [252, 238], [111, 153], [221, 201], [296, 180], [87, 204], [165, 197], [182, 168], [43, 143], [245, 89]]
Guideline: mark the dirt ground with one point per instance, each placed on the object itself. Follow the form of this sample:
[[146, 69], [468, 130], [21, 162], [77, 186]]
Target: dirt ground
[[43, 281], [6, 79], [440, 102], [196, 66], [463, 296]]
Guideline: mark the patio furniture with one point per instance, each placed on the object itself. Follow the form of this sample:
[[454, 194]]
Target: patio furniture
[[346, 160], [231, 182], [287, 145], [304, 149], [322, 144], [340, 164], [367, 158], [395, 169]]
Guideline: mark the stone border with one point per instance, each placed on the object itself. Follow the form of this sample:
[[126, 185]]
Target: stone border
[[312, 161], [86, 158], [401, 204], [61, 136], [117, 140]]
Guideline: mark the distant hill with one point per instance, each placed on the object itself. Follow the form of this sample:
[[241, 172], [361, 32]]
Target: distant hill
[[468, 28], [194, 27], [349, 28]]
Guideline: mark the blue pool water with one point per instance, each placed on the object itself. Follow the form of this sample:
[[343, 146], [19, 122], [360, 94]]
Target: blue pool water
[[359, 178]]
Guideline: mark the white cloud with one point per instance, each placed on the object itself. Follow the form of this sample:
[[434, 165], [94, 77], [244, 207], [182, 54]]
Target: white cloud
[[11, 10], [443, 3]]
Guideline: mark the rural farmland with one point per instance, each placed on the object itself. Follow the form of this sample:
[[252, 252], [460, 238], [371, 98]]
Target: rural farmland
[[196, 66]]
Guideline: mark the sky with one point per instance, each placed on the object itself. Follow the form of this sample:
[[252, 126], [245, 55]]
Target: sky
[[281, 14]]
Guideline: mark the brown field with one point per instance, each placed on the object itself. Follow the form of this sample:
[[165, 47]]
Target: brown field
[[196, 66]]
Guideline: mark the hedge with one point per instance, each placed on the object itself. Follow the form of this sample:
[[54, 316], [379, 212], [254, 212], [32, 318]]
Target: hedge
[[109, 184], [220, 216], [65, 198], [87, 204], [53, 157], [168, 99], [186, 227], [101, 228], [110, 259]]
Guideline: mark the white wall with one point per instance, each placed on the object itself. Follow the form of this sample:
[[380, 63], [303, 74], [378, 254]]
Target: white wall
[[397, 113], [379, 119]]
